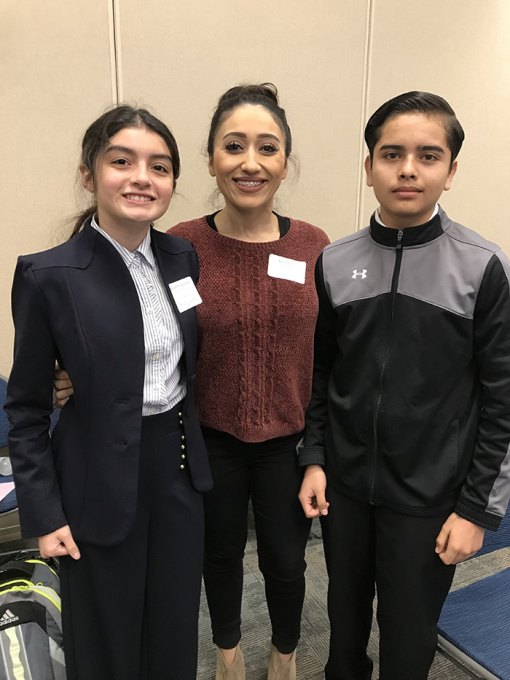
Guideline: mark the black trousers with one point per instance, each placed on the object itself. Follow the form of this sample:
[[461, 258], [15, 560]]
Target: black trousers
[[369, 547], [130, 611], [268, 473]]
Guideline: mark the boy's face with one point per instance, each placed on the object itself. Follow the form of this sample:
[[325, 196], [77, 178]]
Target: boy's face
[[410, 168]]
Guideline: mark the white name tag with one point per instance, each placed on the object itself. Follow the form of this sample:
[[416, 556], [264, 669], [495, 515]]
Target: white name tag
[[285, 268], [185, 294]]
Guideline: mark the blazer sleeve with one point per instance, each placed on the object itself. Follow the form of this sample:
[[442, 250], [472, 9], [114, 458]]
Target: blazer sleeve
[[486, 491], [29, 405]]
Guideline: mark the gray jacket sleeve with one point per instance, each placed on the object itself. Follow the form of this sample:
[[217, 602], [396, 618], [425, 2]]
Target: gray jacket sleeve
[[486, 491]]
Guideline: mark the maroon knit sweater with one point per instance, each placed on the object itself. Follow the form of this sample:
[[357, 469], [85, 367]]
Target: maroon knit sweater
[[254, 370]]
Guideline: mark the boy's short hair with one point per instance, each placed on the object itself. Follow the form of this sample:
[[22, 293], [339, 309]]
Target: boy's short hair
[[416, 102]]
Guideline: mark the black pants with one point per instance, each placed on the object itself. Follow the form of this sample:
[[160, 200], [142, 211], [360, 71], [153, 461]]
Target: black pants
[[366, 547], [130, 611], [268, 473]]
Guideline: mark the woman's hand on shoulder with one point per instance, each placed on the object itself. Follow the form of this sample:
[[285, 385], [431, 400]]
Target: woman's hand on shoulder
[[63, 387], [58, 544]]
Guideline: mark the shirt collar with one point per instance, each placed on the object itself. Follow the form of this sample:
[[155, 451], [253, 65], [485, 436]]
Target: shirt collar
[[144, 249], [378, 216]]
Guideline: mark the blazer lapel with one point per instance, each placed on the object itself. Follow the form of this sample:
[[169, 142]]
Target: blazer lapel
[[175, 263]]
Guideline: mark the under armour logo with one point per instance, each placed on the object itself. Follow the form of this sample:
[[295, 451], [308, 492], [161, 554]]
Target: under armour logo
[[362, 274]]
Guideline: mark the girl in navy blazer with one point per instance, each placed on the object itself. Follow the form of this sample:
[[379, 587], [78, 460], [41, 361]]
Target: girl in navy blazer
[[115, 490]]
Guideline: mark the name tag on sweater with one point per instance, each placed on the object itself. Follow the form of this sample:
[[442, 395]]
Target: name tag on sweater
[[285, 268], [185, 293]]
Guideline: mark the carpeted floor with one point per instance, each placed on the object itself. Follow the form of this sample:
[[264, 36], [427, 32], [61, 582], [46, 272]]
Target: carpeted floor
[[313, 647]]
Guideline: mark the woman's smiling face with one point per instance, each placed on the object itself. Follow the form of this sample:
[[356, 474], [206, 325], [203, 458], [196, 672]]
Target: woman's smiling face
[[248, 159]]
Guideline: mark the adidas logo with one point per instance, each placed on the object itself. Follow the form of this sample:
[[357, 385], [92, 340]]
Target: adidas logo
[[8, 617]]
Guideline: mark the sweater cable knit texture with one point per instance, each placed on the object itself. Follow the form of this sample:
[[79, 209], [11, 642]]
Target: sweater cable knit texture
[[254, 367]]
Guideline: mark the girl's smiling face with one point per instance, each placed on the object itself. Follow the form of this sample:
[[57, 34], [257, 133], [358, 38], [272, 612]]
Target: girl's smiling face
[[133, 180]]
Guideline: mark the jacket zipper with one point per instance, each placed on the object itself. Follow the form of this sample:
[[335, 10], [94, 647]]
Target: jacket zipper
[[394, 285]]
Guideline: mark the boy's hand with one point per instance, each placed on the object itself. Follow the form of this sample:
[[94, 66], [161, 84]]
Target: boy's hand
[[63, 387], [58, 544], [458, 539], [313, 492]]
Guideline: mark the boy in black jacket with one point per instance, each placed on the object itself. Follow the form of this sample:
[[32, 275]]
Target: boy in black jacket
[[409, 419]]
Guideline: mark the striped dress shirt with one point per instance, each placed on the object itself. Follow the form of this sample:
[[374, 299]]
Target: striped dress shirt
[[163, 387]]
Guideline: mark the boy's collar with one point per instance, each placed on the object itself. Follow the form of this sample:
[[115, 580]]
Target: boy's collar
[[412, 236], [377, 216]]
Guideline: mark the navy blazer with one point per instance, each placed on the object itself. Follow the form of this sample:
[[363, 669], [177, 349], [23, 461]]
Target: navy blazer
[[78, 304]]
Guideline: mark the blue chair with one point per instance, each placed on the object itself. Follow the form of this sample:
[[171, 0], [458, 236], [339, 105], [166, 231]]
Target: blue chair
[[8, 503], [9, 521], [4, 423], [495, 540], [474, 627]]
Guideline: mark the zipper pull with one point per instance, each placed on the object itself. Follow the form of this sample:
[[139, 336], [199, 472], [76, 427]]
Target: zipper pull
[[400, 234]]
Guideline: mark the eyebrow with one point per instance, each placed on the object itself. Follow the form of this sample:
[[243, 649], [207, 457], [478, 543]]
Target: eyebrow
[[125, 149], [243, 135], [421, 147]]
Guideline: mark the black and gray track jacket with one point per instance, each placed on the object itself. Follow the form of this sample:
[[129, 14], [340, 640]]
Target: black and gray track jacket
[[410, 405]]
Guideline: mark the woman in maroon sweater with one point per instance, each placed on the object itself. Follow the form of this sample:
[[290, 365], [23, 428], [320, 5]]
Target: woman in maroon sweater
[[254, 372]]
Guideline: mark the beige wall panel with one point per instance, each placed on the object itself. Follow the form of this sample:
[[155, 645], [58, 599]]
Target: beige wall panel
[[55, 79], [178, 57], [460, 50], [56, 75]]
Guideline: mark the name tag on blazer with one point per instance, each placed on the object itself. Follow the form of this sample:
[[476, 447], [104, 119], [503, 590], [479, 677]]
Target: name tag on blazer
[[185, 294]]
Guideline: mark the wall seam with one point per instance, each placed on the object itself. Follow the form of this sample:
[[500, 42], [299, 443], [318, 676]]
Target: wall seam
[[364, 112], [115, 51]]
